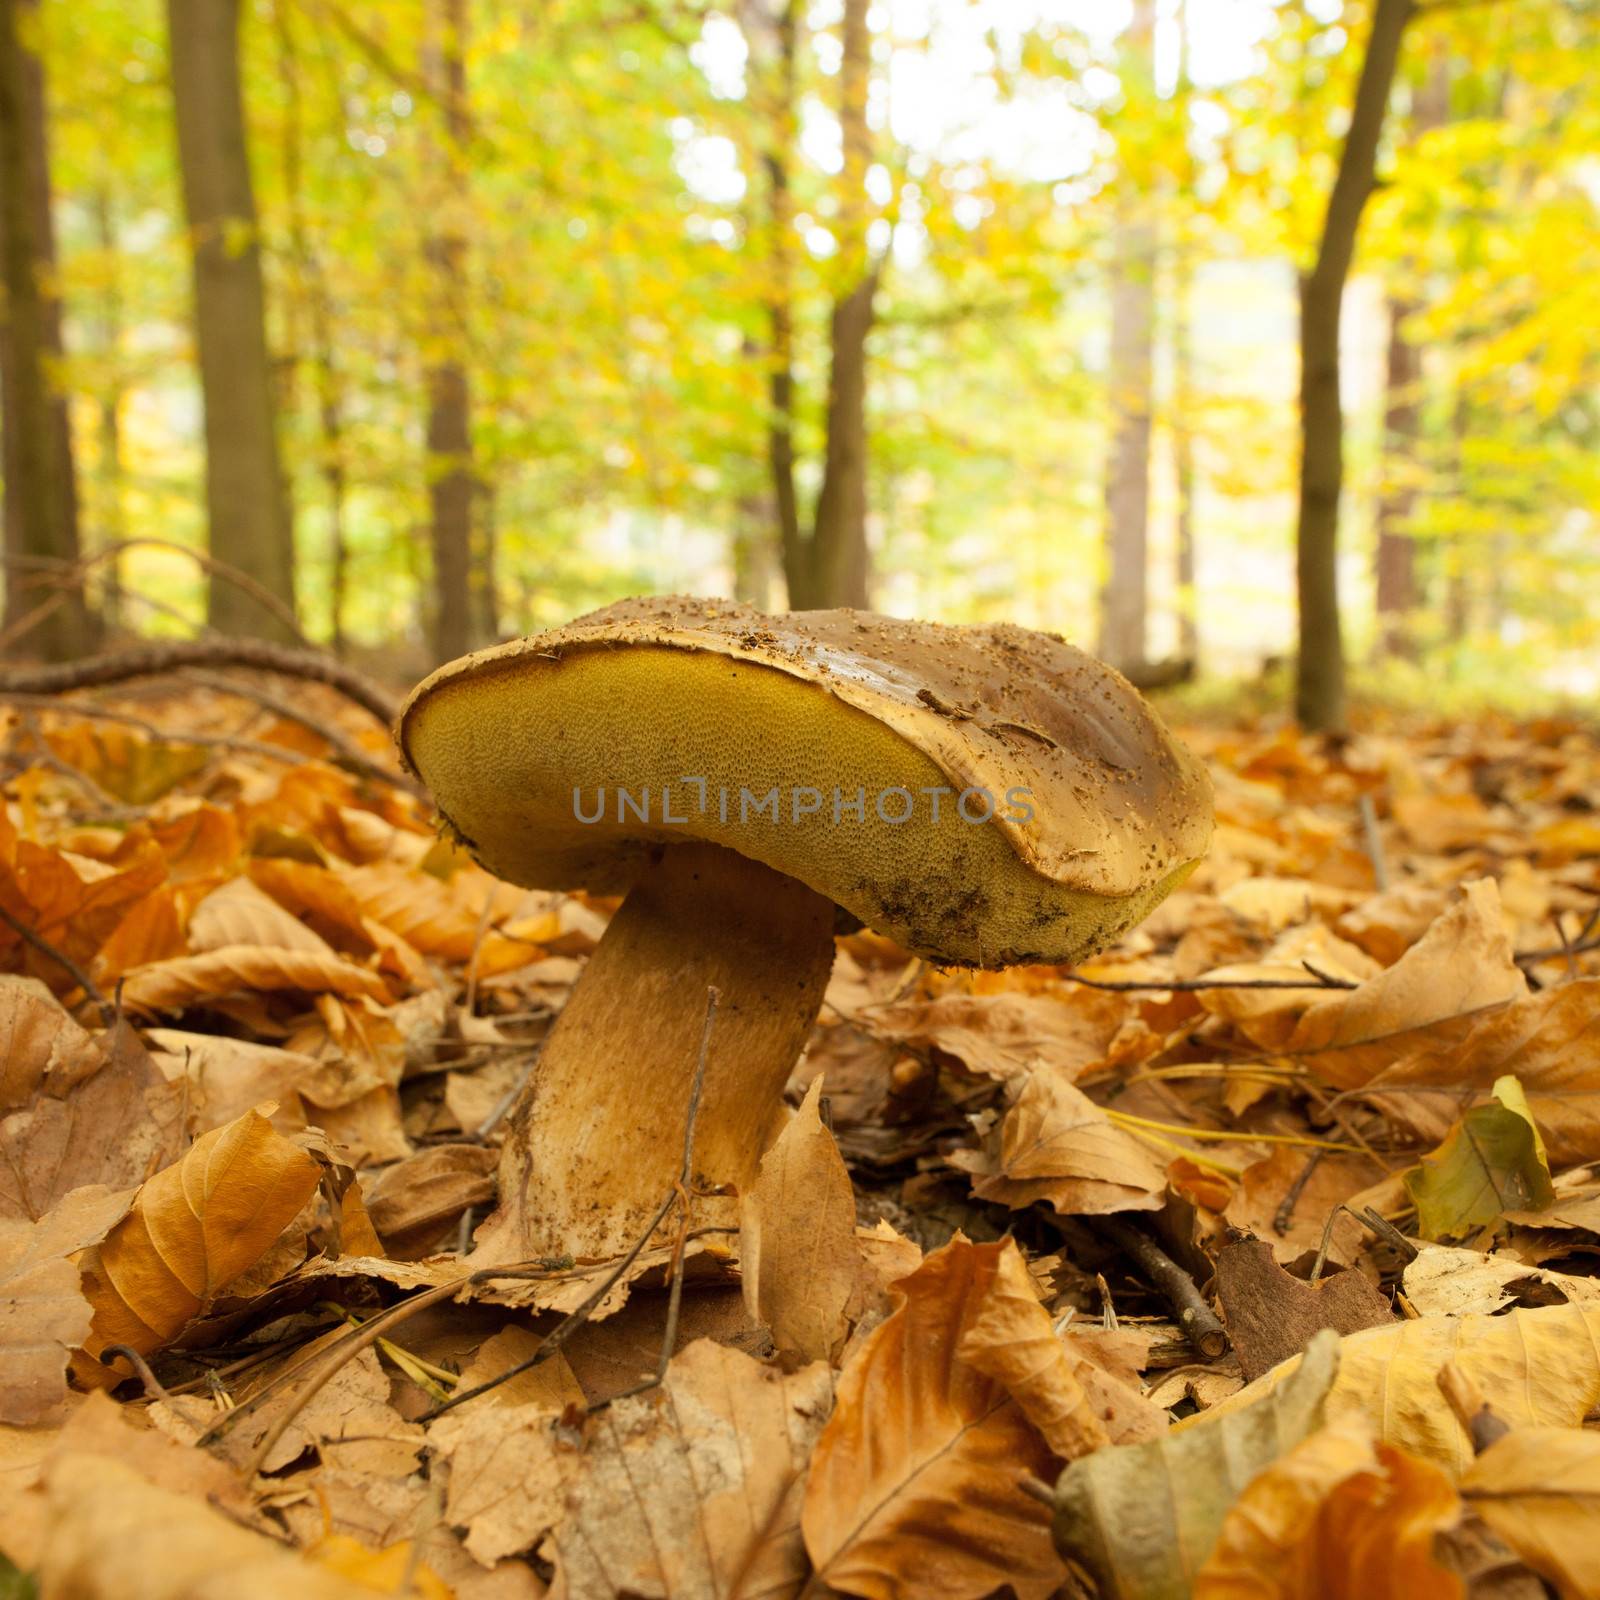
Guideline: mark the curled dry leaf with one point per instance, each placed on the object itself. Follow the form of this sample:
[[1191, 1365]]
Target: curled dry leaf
[[1338, 1517], [914, 1484], [194, 1228], [174, 985], [1432, 996], [1075, 1405], [694, 1489], [797, 1238], [241, 914], [1142, 1519], [1539, 1489], [1451, 1282], [1541, 1366]]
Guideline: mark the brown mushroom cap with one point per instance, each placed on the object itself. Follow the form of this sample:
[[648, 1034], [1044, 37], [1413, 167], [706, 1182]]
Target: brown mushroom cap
[[651, 692]]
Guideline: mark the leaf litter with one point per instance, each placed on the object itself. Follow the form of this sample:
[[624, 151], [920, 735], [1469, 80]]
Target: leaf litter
[[1342, 1091]]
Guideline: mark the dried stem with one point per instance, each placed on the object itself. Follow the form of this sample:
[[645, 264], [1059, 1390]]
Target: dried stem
[[108, 1012], [1175, 1286]]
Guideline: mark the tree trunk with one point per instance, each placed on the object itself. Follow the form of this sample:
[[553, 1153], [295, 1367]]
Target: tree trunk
[[1319, 674], [41, 509], [1183, 387], [312, 285], [111, 479], [1124, 597], [460, 591], [247, 506], [839, 531], [1397, 587], [1397, 578]]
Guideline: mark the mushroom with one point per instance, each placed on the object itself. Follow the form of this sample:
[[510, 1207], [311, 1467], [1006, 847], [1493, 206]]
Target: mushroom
[[984, 796]]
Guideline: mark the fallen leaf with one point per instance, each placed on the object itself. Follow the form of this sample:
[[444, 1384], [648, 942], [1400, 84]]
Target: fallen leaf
[[1443, 1281], [914, 1482], [797, 1239], [240, 914], [413, 1203], [1058, 1146], [1075, 1406], [1540, 1365], [1272, 1315], [175, 985], [1491, 1162], [43, 1313], [193, 1228], [1539, 1489], [694, 1488], [1143, 1518], [1338, 1517], [1432, 996]]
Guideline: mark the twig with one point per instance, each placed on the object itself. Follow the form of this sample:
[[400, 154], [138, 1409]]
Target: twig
[[564, 1330], [1374, 1224], [152, 1384], [155, 660], [1176, 1287], [1320, 980], [1471, 1407], [108, 1012], [128, 719], [345, 751], [1284, 1215], [1374, 844]]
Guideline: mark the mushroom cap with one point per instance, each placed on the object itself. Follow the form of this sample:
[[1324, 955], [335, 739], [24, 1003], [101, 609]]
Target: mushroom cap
[[699, 708]]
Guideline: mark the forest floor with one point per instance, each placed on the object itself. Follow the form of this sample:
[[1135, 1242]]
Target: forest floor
[[1037, 1246]]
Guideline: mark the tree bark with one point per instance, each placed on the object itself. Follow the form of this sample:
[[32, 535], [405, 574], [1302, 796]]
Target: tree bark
[[463, 589], [41, 507], [1319, 671], [839, 532], [312, 285], [1183, 387], [111, 480], [1124, 599], [247, 505], [1397, 588]]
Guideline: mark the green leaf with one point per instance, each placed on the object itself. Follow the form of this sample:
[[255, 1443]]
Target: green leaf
[[1491, 1162]]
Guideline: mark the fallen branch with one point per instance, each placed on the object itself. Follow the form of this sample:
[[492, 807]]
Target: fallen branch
[[156, 660], [1319, 980], [1174, 1285], [108, 1012]]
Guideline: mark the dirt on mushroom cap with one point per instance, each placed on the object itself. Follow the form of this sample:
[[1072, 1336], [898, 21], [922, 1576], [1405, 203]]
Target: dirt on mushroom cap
[[649, 692]]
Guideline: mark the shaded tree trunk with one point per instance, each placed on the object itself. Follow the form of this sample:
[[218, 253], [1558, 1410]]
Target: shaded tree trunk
[[1319, 671], [1397, 586], [312, 285], [1183, 387], [247, 504], [839, 532], [463, 588], [112, 477], [1124, 599], [41, 507]]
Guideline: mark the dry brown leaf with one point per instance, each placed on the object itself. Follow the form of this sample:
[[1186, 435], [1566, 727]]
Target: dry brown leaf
[[413, 1203], [797, 1238], [1387, 924], [43, 1312], [90, 1108], [914, 1484], [1539, 1489], [693, 1489], [1000, 1035], [1058, 1146], [194, 1228], [240, 914], [1447, 1281], [1540, 1366], [174, 985], [423, 912], [1550, 1040], [1336, 1518], [1432, 996], [110, 1535], [1075, 1405]]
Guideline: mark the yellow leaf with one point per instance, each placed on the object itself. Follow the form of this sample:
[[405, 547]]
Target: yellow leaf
[[173, 985], [1539, 1489]]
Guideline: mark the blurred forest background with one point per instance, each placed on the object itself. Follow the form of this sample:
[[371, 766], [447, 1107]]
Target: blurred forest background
[[1180, 327]]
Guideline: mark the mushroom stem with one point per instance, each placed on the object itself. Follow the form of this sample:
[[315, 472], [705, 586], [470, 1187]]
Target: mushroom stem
[[595, 1140]]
